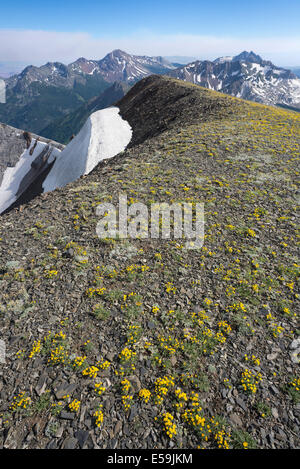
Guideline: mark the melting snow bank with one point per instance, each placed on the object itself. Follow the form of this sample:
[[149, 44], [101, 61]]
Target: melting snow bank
[[17, 179], [104, 135]]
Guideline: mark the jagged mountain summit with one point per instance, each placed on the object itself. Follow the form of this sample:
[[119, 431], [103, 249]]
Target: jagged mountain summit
[[242, 57], [245, 76], [120, 66]]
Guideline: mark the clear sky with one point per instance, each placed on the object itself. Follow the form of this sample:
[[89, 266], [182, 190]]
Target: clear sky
[[38, 31]]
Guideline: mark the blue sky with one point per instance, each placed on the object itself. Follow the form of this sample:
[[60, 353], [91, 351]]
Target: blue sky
[[36, 31]]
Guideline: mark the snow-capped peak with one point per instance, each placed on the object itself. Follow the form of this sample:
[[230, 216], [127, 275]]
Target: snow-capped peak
[[246, 76], [221, 60]]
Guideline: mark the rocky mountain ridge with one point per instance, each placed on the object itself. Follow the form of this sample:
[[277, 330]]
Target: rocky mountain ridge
[[245, 76]]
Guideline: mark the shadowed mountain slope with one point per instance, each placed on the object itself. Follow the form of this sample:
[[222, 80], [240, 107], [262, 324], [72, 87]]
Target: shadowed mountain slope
[[63, 129]]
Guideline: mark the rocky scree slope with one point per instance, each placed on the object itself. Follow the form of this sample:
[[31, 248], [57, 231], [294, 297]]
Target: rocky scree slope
[[141, 343]]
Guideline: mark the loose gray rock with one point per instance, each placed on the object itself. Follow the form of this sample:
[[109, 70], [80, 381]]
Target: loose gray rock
[[2, 352]]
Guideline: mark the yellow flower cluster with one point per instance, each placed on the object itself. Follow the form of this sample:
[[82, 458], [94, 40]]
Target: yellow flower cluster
[[133, 335], [194, 399], [145, 395], [95, 291], [78, 361], [169, 344], [182, 398], [169, 425], [80, 250], [288, 312], [127, 355], [125, 386], [251, 233], [103, 365], [275, 328], [295, 384], [74, 405], [126, 398], [20, 353], [255, 360], [135, 268], [58, 355], [98, 417], [250, 380], [36, 348], [59, 336], [222, 439], [207, 302], [131, 298], [126, 401], [51, 273], [90, 371], [230, 290], [224, 327], [20, 402], [237, 307], [99, 388], [227, 383], [162, 387], [196, 420], [170, 288], [191, 338], [200, 317]]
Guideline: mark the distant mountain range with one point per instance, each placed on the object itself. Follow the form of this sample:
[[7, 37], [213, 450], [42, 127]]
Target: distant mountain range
[[55, 99], [245, 76], [39, 95]]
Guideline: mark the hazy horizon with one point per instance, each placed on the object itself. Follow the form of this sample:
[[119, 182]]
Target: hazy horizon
[[35, 33]]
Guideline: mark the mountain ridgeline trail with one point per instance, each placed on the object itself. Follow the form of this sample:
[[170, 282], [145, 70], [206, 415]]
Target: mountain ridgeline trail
[[157, 103], [142, 343]]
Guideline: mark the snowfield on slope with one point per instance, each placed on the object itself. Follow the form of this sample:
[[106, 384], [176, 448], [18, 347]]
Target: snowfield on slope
[[13, 177], [104, 135]]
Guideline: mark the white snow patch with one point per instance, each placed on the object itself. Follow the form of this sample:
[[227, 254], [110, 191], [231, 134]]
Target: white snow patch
[[12, 177], [222, 60], [104, 135]]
